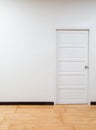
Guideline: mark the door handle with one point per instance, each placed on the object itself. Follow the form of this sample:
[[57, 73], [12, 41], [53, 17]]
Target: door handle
[[86, 67]]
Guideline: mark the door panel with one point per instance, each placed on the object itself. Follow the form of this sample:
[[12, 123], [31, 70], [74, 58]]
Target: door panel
[[74, 81], [71, 96], [70, 37], [71, 66], [68, 52]]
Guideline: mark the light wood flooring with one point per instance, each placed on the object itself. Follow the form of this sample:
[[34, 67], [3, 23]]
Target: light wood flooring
[[58, 117]]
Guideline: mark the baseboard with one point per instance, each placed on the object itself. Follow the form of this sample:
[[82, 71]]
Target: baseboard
[[93, 103], [26, 103]]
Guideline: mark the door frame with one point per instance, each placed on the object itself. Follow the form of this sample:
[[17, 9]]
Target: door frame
[[91, 43], [87, 76]]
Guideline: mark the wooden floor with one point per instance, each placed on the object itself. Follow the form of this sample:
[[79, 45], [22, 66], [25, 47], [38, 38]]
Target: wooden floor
[[58, 117]]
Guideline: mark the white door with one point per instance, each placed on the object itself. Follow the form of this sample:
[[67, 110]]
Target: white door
[[72, 66]]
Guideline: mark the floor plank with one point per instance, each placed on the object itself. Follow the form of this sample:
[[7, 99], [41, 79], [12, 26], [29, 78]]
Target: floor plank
[[57, 117]]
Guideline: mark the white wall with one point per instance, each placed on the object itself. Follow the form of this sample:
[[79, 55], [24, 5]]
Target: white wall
[[28, 45]]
